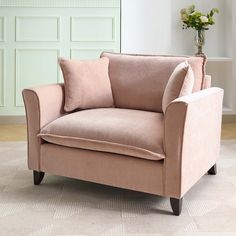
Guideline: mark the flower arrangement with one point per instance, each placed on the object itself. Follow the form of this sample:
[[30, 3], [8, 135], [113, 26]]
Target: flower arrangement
[[197, 20]]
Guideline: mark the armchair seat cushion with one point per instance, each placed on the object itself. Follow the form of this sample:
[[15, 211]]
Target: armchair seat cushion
[[129, 132]]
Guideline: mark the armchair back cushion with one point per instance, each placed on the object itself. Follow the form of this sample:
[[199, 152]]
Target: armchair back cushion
[[139, 81]]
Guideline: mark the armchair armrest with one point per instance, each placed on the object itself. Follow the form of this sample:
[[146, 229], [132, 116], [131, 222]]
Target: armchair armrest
[[191, 139], [207, 82], [42, 104]]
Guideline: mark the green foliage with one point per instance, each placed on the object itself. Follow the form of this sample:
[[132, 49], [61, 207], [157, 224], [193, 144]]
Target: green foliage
[[197, 20]]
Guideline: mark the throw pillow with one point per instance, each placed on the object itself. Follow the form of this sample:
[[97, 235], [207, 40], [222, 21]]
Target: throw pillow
[[179, 84], [87, 83]]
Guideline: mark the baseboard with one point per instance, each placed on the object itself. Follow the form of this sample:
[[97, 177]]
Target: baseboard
[[228, 119], [12, 120], [17, 120]]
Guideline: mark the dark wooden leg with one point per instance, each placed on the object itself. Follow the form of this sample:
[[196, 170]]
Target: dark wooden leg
[[213, 170], [38, 177], [176, 205]]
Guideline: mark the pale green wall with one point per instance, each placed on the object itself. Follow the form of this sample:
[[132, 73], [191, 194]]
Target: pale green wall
[[32, 37]]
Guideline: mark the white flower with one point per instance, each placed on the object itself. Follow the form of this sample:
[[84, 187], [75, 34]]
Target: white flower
[[204, 19], [183, 11], [184, 17], [190, 9]]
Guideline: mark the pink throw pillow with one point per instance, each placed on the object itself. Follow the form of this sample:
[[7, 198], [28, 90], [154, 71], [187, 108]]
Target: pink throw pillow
[[87, 83], [179, 84]]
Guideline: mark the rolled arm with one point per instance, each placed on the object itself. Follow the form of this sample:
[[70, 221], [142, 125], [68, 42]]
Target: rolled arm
[[191, 139], [43, 105]]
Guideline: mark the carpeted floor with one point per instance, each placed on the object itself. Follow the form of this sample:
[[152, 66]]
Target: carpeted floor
[[63, 206]]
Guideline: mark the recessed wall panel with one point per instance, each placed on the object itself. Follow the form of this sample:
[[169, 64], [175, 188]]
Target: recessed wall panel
[[2, 77], [2, 30], [92, 29], [35, 67], [37, 29]]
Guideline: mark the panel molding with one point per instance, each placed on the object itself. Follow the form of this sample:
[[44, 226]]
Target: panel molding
[[90, 50], [2, 73], [72, 18], [32, 68], [60, 3], [17, 51], [2, 39], [17, 37]]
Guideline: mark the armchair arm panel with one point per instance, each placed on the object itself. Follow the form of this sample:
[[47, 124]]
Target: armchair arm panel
[[192, 139], [43, 105], [207, 82]]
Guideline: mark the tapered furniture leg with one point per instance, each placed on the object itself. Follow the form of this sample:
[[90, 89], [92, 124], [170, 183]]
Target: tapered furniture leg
[[38, 177], [213, 170], [176, 205]]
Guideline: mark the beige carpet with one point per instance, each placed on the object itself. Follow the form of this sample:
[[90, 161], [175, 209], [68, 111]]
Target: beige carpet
[[63, 206]]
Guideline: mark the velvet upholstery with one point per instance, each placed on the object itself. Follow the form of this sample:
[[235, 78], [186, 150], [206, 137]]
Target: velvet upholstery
[[207, 82], [123, 131], [192, 139], [102, 167], [87, 84], [139, 81], [179, 84], [43, 105], [191, 134]]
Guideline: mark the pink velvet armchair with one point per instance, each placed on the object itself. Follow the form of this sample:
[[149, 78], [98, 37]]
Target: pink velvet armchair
[[133, 145]]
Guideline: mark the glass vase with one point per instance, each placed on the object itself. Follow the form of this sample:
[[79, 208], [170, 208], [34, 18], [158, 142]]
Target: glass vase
[[199, 41]]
